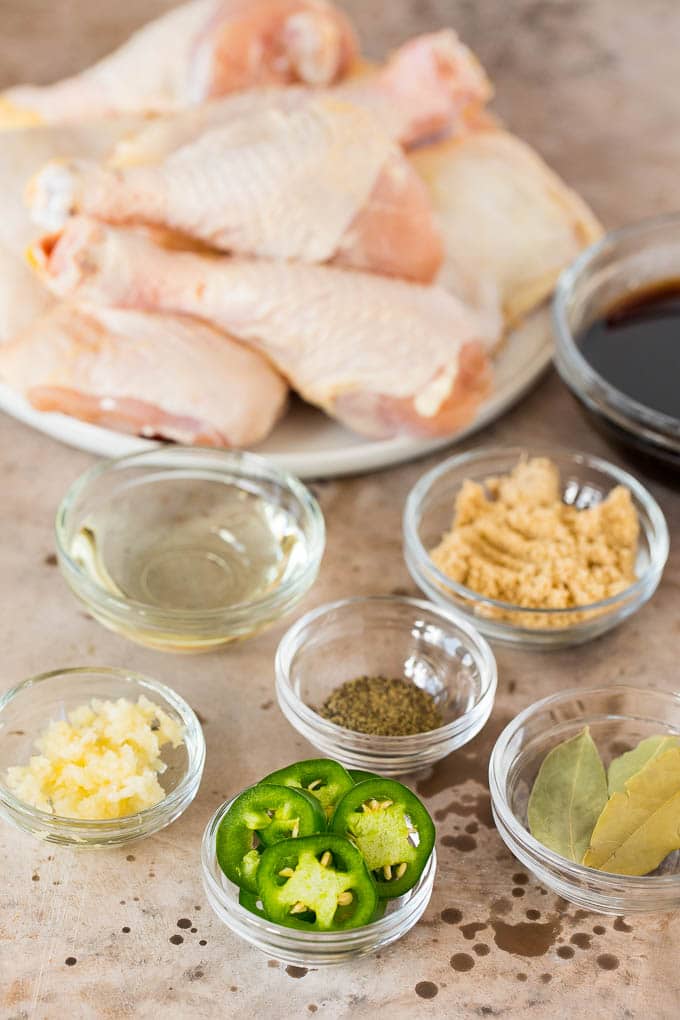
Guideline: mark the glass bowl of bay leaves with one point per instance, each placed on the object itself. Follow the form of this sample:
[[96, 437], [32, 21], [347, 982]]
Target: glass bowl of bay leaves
[[585, 790]]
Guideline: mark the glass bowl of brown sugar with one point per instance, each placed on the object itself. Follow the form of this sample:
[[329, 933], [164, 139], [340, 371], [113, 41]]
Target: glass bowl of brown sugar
[[384, 683]]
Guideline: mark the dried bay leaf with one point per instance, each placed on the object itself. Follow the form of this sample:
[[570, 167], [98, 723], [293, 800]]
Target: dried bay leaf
[[626, 765], [568, 796], [641, 826]]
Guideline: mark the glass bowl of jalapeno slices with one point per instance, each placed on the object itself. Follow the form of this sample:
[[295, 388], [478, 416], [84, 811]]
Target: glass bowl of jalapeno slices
[[316, 865], [418, 651]]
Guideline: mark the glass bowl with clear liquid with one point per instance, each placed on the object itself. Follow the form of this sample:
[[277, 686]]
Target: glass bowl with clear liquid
[[186, 549]]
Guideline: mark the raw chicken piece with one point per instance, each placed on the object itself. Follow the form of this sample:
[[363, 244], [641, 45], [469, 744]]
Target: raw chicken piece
[[22, 297], [431, 85], [510, 225], [383, 356], [318, 182], [154, 375], [202, 49]]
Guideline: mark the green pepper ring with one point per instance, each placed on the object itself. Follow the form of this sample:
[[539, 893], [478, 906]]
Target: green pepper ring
[[303, 858], [332, 779], [380, 790], [236, 856]]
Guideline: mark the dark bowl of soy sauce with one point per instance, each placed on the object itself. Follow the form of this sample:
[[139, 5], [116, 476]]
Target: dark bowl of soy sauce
[[616, 315]]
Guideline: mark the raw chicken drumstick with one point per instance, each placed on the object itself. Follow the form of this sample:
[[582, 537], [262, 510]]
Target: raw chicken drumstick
[[153, 375], [319, 182], [202, 49], [432, 85], [383, 356]]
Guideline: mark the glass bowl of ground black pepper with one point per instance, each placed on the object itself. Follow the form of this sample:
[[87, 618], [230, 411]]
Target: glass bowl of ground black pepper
[[616, 315], [385, 683]]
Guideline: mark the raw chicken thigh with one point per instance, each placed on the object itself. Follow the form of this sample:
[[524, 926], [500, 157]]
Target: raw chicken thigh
[[319, 182], [154, 375], [383, 356], [202, 49], [510, 225]]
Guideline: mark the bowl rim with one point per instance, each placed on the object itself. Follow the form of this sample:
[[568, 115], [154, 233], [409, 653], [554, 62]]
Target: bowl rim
[[383, 926], [475, 644], [521, 834], [665, 428], [233, 462], [147, 817], [659, 547]]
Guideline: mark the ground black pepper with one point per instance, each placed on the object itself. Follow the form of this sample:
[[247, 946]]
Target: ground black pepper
[[389, 707]]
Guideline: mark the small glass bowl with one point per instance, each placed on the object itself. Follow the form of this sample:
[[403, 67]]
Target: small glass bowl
[[620, 263], [315, 949], [27, 709], [618, 717], [436, 649], [165, 471], [585, 481]]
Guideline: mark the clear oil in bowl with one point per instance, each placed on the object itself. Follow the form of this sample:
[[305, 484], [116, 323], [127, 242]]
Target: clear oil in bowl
[[188, 545]]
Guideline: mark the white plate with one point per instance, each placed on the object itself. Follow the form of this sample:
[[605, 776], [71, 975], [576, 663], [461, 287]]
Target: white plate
[[310, 444]]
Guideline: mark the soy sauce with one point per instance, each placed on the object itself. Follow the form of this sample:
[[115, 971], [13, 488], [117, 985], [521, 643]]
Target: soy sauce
[[635, 346]]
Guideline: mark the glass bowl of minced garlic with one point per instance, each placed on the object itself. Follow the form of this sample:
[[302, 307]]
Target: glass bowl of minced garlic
[[540, 548], [96, 756]]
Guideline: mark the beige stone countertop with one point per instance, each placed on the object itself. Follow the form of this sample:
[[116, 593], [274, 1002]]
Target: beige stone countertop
[[594, 85]]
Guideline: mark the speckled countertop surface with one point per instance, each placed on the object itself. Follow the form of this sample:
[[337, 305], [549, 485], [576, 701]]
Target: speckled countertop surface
[[594, 85]]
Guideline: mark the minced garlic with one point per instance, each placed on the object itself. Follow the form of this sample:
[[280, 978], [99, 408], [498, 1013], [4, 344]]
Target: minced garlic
[[515, 540], [103, 762]]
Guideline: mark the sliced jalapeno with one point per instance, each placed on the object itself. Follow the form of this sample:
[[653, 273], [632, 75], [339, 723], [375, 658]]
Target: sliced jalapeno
[[252, 902], [326, 779], [316, 883], [260, 817], [391, 828], [359, 776]]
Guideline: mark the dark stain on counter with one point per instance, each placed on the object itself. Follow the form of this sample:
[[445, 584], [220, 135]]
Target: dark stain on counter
[[546, 978], [470, 930], [464, 843], [581, 939], [50, 560], [527, 938], [620, 925], [462, 962], [520, 878], [266, 705], [501, 906], [426, 989], [70, 961], [184, 922], [481, 949], [607, 961], [176, 940], [296, 972], [533, 915], [518, 892], [194, 973], [565, 953], [451, 915]]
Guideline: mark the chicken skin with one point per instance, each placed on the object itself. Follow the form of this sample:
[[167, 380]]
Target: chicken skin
[[203, 49], [152, 375], [316, 183], [383, 356]]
